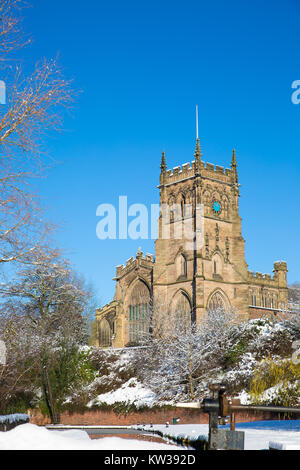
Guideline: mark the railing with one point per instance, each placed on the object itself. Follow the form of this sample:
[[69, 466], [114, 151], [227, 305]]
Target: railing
[[219, 408]]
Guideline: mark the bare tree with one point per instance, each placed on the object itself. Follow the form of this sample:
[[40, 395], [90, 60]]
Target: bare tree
[[179, 353], [182, 354], [11, 36], [22, 356], [171, 358], [36, 104], [46, 329], [220, 329]]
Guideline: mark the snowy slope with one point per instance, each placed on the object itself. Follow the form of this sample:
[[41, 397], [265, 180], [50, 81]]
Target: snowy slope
[[132, 392]]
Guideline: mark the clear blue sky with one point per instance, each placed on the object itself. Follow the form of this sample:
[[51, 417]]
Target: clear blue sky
[[142, 67]]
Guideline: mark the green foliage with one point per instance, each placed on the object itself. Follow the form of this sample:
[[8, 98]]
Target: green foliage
[[284, 375], [43, 407], [234, 355], [20, 403], [69, 370], [264, 321], [85, 370]]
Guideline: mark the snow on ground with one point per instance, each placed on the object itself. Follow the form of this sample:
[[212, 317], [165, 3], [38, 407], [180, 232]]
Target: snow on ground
[[188, 431], [32, 437], [258, 434], [131, 391]]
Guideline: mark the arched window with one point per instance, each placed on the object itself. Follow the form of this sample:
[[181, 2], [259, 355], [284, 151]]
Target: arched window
[[183, 213], [264, 300], [181, 266], [139, 313], [217, 301], [217, 266], [104, 333], [253, 299], [172, 207], [182, 304], [181, 310]]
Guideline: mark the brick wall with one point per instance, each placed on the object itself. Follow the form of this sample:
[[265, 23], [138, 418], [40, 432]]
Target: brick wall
[[258, 312], [102, 417]]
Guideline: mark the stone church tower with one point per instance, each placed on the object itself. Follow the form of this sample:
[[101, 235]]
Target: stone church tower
[[192, 273]]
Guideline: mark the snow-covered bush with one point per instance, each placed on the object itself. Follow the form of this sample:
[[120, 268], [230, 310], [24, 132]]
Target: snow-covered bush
[[270, 337], [220, 350], [114, 368], [132, 394]]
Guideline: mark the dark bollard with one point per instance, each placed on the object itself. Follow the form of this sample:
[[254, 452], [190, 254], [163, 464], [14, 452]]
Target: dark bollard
[[218, 409]]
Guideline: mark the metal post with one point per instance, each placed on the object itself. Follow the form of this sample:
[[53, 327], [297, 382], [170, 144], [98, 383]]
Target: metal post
[[213, 421], [218, 407], [232, 422]]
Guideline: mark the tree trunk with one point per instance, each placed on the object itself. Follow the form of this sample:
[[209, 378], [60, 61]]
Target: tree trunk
[[47, 401], [54, 416]]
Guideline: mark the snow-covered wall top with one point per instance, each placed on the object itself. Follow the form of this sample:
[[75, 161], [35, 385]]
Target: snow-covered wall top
[[14, 418]]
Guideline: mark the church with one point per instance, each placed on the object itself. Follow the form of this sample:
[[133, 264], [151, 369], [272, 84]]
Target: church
[[193, 277]]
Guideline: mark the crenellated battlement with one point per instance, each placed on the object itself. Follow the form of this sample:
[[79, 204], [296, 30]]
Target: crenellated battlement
[[102, 311], [217, 172], [140, 259], [280, 269], [187, 170], [207, 170], [280, 266], [261, 278]]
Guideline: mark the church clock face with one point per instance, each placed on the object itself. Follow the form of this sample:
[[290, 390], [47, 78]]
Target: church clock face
[[217, 208]]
